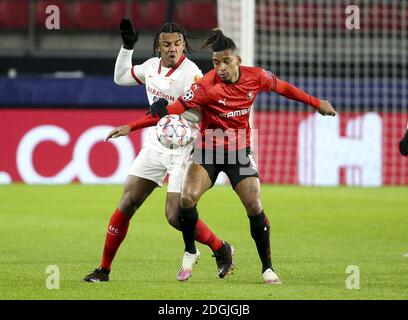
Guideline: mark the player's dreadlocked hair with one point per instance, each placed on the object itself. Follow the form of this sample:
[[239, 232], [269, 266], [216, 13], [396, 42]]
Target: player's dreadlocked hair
[[219, 42], [170, 27]]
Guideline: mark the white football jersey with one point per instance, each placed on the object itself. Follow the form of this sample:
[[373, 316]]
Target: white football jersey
[[168, 83]]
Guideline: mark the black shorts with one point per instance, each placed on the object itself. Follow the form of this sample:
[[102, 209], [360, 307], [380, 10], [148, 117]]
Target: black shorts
[[237, 165]]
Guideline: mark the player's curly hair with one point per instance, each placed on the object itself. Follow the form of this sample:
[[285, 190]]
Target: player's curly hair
[[170, 27], [219, 42]]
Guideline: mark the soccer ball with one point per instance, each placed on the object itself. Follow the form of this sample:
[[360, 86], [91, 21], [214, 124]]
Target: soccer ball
[[173, 131]]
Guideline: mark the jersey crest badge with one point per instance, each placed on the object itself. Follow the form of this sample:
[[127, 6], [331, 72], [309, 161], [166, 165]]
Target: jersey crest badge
[[188, 95]]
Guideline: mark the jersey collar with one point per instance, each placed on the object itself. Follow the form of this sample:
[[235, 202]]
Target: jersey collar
[[168, 74]]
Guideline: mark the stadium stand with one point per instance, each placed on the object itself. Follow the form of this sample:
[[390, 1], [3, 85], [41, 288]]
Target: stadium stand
[[116, 10], [200, 15], [100, 15], [89, 15], [275, 15], [156, 9], [14, 14]]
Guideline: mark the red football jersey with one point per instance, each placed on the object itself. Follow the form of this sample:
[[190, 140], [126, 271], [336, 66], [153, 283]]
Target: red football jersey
[[226, 106]]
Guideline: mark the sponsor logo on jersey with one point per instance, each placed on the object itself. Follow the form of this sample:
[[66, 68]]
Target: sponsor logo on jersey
[[160, 94], [236, 113]]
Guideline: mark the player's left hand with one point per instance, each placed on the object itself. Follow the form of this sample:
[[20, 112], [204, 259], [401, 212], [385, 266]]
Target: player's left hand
[[158, 108], [118, 132], [403, 145], [326, 109], [128, 33]]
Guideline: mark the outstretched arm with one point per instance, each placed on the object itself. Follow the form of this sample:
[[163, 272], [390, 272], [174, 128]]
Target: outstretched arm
[[149, 120], [291, 92]]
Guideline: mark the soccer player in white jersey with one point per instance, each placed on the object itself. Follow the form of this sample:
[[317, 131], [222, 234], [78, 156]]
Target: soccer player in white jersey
[[167, 76]]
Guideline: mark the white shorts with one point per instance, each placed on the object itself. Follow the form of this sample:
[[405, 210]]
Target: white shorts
[[154, 165]]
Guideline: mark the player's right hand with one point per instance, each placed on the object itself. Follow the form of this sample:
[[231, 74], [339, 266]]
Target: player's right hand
[[118, 132], [403, 145], [128, 33], [326, 109], [158, 108]]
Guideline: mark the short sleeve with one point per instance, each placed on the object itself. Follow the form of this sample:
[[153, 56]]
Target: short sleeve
[[267, 80], [195, 97], [139, 72], [192, 76]]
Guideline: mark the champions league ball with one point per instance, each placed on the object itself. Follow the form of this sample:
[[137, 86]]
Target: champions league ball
[[173, 131]]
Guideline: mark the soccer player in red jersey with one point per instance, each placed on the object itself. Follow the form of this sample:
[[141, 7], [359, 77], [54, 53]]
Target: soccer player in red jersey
[[224, 96]]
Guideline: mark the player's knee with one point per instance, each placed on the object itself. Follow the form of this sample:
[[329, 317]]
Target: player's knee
[[188, 199], [253, 208], [172, 216], [174, 222], [130, 203]]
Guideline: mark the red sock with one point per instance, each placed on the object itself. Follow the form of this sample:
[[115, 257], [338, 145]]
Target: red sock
[[205, 236], [117, 229]]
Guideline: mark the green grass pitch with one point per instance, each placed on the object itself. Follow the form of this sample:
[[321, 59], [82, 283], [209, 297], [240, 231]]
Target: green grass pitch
[[316, 234]]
